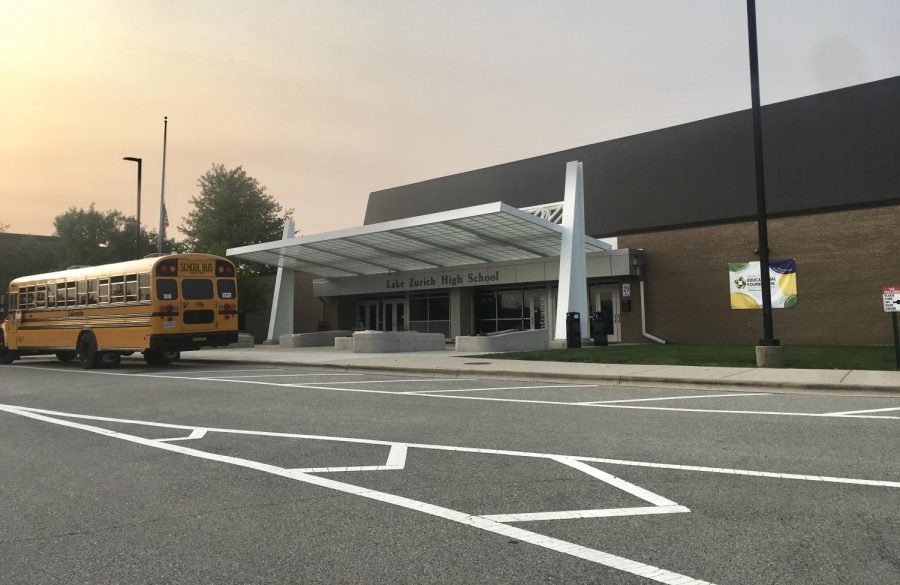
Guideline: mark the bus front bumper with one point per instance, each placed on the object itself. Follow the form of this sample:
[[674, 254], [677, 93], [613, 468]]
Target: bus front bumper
[[190, 341]]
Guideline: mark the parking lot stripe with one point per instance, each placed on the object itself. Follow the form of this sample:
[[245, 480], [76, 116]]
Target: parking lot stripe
[[587, 459], [577, 514], [195, 434], [220, 371], [291, 375], [436, 394], [395, 381], [503, 388], [729, 395], [854, 412], [510, 532], [614, 481]]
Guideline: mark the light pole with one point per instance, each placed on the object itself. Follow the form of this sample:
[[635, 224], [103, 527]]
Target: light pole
[[768, 352], [138, 238]]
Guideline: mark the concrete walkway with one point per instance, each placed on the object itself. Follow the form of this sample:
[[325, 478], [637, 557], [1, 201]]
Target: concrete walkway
[[450, 363]]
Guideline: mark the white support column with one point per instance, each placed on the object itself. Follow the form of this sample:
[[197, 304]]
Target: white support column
[[281, 320], [572, 273]]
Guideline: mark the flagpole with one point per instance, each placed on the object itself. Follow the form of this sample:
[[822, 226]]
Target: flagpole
[[162, 196]]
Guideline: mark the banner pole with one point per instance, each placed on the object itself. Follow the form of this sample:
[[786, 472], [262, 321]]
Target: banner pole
[[896, 340]]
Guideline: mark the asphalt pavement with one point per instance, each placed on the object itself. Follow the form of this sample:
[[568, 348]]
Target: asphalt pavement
[[236, 472]]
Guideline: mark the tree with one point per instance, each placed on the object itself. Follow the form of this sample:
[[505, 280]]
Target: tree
[[233, 209], [92, 237], [4, 227]]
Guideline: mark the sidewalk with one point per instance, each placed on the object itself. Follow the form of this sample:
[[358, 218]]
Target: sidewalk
[[452, 364]]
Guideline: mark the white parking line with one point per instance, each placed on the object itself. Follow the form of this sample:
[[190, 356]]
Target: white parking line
[[196, 434], [396, 460], [437, 394], [578, 514], [219, 371], [290, 375], [556, 457], [729, 395], [395, 381], [509, 532], [854, 412]]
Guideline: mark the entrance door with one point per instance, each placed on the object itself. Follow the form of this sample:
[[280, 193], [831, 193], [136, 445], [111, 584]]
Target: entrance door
[[605, 299], [367, 315], [395, 315]]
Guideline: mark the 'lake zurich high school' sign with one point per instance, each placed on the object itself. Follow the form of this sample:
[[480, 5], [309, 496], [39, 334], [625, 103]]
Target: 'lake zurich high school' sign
[[545, 270], [443, 280]]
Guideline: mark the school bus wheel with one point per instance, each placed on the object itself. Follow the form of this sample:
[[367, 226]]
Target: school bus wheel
[[87, 351], [7, 356]]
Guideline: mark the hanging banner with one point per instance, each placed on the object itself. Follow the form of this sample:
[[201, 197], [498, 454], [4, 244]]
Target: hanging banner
[[746, 284]]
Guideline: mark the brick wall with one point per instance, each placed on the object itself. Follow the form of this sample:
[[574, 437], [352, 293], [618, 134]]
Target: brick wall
[[843, 260]]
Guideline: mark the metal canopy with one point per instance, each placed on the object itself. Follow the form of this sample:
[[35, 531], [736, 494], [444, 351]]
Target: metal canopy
[[489, 233]]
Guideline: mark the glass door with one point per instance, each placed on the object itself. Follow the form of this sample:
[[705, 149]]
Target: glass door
[[395, 315], [367, 315], [605, 299]]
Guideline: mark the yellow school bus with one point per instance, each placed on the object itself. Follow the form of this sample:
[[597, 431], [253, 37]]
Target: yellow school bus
[[157, 306]]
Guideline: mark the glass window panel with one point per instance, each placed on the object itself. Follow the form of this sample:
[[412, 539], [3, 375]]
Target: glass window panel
[[510, 304], [439, 327], [61, 294], [420, 326], [81, 287], [485, 306], [509, 324], [485, 326], [117, 289], [144, 286], [226, 288], [197, 288], [439, 308], [104, 290], [40, 297], [70, 294], [166, 289], [418, 309]]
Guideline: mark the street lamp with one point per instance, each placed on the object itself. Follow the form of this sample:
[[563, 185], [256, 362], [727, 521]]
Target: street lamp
[[768, 351], [138, 239]]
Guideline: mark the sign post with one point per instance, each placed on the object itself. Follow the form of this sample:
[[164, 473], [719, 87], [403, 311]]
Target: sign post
[[891, 298]]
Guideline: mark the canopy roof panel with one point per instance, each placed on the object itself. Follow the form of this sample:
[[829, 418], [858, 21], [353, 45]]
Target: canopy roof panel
[[489, 233]]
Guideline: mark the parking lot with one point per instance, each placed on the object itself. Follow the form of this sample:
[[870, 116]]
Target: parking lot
[[237, 473]]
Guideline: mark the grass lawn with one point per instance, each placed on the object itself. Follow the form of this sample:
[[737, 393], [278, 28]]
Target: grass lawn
[[850, 357]]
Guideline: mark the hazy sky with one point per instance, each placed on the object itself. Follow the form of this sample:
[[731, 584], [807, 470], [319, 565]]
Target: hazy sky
[[324, 102]]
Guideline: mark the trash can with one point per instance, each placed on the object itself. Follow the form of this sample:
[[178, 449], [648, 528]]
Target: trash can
[[598, 329], [573, 330]]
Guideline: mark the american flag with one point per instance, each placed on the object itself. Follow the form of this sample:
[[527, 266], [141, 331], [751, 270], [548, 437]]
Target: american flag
[[165, 219]]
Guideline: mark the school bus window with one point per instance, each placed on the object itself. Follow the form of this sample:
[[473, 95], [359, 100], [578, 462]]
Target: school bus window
[[81, 288], [117, 289], [104, 290], [70, 294], [60, 294], [166, 289], [92, 291], [226, 288], [51, 296], [196, 288], [144, 286], [131, 288], [40, 296]]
